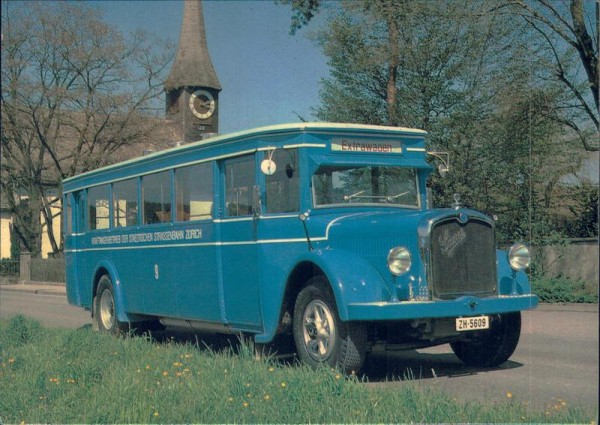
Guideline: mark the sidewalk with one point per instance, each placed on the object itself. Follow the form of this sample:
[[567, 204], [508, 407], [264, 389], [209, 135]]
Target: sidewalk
[[46, 288]]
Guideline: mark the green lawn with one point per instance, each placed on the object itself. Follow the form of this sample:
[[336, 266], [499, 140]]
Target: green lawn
[[79, 376]]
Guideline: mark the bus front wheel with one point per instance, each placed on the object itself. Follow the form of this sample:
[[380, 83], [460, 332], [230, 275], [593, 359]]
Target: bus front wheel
[[493, 347], [320, 336], [105, 314]]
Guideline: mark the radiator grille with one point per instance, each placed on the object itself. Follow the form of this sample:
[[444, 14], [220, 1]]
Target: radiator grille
[[463, 259]]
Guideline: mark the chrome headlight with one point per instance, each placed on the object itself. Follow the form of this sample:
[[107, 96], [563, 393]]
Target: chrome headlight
[[398, 260], [519, 257]]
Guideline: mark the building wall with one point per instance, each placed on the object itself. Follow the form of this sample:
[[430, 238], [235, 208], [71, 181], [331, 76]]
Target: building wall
[[5, 222]]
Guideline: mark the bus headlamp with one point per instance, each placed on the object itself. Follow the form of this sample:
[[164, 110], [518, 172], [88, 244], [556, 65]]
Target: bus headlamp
[[398, 260], [519, 257]]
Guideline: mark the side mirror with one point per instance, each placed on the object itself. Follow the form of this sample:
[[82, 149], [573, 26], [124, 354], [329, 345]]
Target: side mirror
[[444, 158]]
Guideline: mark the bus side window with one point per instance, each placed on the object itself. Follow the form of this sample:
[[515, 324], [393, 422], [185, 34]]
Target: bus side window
[[194, 192], [125, 203], [79, 203], [239, 184], [98, 208], [283, 187], [68, 214], [156, 197]]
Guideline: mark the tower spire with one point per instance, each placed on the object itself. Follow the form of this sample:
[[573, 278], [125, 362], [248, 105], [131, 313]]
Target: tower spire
[[192, 66], [192, 87]]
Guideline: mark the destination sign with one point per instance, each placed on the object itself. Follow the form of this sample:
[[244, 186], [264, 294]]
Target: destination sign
[[366, 146]]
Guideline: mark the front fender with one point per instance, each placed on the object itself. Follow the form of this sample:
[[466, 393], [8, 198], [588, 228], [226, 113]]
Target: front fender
[[352, 278], [107, 267]]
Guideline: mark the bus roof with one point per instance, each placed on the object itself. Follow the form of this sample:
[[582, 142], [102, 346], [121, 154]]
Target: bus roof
[[272, 130]]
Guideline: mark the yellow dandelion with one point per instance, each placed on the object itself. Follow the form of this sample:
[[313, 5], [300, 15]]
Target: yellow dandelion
[[283, 385], [165, 373], [178, 374], [186, 370], [188, 356], [11, 360], [563, 403], [267, 397], [230, 399], [156, 414], [147, 367], [271, 369], [245, 404], [338, 376], [509, 394], [177, 364]]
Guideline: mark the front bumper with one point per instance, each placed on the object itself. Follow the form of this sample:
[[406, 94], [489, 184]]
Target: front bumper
[[463, 306]]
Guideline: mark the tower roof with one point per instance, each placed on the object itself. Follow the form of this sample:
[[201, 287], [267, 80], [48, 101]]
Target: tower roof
[[192, 66]]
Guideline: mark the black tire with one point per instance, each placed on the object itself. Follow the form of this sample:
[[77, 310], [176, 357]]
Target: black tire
[[105, 314], [493, 347], [320, 336]]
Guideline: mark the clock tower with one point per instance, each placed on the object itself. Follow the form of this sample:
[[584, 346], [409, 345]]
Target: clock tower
[[192, 87]]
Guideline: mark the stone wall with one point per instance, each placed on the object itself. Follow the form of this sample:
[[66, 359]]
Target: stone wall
[[576, 261]]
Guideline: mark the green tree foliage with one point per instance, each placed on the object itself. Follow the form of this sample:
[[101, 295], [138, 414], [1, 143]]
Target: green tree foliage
[[464, 72], [75, 92]]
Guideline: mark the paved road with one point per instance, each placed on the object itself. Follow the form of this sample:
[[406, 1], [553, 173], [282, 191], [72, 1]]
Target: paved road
[[556, 360]]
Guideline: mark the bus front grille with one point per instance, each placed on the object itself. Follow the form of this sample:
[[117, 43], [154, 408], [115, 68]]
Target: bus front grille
[[463, 259]]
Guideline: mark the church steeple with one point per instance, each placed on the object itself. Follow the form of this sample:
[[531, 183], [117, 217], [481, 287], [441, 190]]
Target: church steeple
[[192, 86]]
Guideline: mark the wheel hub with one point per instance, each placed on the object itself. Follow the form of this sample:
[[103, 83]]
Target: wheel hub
[[319, 330]]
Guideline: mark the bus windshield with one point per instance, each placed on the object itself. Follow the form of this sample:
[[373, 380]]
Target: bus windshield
[[360, 184]]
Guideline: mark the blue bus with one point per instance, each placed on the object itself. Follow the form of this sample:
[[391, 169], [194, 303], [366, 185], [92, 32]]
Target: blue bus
[[320, 232]]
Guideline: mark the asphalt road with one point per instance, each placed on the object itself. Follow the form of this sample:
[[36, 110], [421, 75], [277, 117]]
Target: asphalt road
[[556, 360]]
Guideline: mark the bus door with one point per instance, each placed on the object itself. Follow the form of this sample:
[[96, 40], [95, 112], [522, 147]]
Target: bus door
[[74, 241], [195, 261], [238, 244]]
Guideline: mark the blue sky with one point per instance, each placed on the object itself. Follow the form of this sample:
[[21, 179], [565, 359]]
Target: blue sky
[[268, 76]]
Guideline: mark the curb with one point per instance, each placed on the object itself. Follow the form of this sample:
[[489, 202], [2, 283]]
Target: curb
[[31, 288]]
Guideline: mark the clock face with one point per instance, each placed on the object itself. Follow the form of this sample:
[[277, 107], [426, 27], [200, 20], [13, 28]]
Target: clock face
[[202, 104]]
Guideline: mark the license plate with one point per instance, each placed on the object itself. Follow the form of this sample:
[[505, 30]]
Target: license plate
[[472, 323]]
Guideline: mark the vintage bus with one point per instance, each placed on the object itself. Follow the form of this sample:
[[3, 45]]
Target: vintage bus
[[318, 231]]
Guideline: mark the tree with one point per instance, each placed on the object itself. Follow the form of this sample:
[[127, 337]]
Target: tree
[[462, 74], [75, 93], [565, 36]]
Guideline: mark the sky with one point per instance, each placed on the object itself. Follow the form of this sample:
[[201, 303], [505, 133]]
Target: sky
[[268, 76]]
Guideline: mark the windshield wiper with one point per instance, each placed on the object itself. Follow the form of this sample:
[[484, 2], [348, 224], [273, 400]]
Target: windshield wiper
[[359, 195], [391, 198], [356, 195]]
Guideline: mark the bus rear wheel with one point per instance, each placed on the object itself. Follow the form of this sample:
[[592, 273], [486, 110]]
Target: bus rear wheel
[[105, 313], [493, 347], [320, 336]]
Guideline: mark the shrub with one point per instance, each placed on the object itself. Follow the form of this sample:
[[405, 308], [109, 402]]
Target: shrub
[[563, 290]]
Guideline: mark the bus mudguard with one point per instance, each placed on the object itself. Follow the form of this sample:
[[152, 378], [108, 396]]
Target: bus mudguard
[[352, 278], [106, 267]]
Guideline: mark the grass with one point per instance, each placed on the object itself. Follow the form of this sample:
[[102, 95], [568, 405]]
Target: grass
[[79, 376]]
